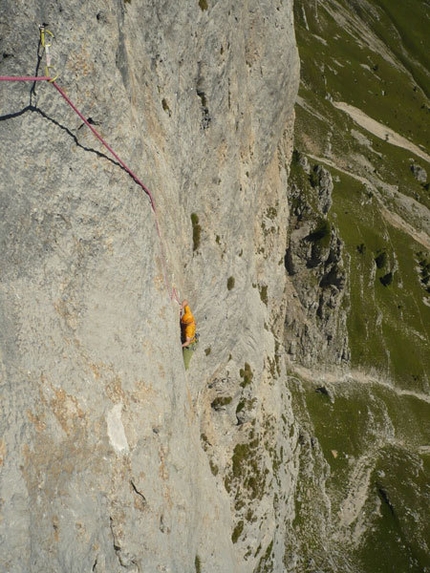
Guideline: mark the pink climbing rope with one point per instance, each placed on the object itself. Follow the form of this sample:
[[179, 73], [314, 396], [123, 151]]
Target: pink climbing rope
[[105, 144], [84, 119], [173, 294]]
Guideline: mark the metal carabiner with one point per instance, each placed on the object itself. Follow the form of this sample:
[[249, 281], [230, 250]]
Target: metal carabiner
[[43, 31]]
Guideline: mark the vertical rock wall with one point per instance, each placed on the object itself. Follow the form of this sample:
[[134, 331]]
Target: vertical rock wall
[[112, 457]]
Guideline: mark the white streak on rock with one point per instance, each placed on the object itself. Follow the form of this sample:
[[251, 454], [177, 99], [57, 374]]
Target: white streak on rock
[[115, 429]]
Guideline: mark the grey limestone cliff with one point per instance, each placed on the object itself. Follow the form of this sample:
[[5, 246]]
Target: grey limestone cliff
[[112, 457]]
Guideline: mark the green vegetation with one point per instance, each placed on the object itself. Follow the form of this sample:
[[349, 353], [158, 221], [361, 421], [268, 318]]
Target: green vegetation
[[348, 431], [166, 107], [410, 42], [247, 471], [220, 402], [240, 459], [388, 320], [230, 283], [371, 435], [424, 270], [246, 374], [272, 212], [198, 564], [263, 294], [265, 564], [203, 4], [246, 480], [240, 406], [353, 72], [214, 467], [383, 322], [321, 233], [237, 532], [197, 231]]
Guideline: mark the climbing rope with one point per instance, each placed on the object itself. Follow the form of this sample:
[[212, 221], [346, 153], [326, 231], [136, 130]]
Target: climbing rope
[[106, 145], [45, 46]]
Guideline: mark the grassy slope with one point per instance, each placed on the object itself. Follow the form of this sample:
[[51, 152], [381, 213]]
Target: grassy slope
[[381, 431], [389, 326]]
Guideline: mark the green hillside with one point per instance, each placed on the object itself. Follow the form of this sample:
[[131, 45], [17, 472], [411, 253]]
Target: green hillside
[[363, 497], [389, 325]]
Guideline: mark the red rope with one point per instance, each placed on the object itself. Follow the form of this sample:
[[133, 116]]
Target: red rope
[[108, 147], [173, 294], [84, 119]]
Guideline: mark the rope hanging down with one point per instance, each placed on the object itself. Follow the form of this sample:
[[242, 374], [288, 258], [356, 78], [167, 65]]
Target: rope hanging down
[[106, 145], [47, 78]]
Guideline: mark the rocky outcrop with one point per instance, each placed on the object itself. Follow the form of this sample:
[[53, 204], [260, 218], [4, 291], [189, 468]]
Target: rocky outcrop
[[419, 173], [112, 458], [316, 314]]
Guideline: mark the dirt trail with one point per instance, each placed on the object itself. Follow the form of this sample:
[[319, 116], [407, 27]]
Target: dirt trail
[[421, 236], [395, 220], [380, 130], [337, 376]]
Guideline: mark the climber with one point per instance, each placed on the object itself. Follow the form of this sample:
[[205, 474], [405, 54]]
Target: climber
[[189, 336], [188, 325]]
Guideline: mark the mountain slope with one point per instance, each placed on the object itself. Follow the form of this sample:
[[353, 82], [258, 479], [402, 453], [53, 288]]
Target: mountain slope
[[359, 260]]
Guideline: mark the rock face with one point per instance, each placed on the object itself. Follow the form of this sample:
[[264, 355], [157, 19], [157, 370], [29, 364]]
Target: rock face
[[316, 314], [112, 458], [419, 172]]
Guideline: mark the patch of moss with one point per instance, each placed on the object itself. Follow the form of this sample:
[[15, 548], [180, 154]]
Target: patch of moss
[[240, 406], [197, 231], [203, 5], [214, 468], [246, 374], [237, 532], [240, 455], [265, 565], [230, 283], [166, 107], [424, 270], [220, 402], [272, 213], [263, 294]]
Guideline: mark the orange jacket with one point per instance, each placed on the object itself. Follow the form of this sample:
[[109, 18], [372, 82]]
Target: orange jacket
[[188, 324]]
